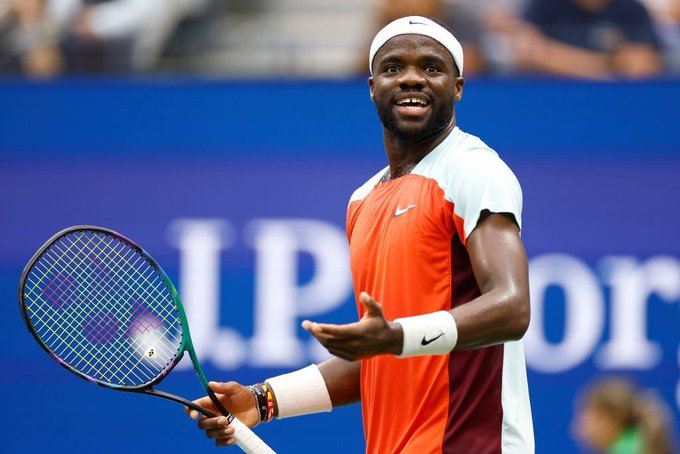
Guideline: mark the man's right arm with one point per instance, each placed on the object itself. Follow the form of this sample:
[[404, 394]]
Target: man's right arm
[[341, 380]]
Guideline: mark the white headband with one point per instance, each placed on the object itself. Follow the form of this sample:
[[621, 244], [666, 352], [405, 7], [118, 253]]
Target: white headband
[[417, 25]]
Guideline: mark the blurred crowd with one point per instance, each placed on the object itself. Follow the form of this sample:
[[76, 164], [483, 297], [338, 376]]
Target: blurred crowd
[[593, 39], [614, 416]]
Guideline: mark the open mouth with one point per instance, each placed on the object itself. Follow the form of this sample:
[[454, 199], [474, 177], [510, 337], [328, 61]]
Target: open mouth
[[412, 105]]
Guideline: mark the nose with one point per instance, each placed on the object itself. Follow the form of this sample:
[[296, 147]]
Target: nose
[[411, 76]]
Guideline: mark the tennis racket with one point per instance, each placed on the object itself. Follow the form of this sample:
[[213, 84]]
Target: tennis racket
[[106, 311]]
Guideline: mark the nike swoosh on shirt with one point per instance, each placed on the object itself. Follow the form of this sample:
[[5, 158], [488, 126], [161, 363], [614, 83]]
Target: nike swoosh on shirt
[[429, 341], [399, 211]]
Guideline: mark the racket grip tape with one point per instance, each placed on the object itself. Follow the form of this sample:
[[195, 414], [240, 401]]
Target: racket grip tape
[[248, 441]]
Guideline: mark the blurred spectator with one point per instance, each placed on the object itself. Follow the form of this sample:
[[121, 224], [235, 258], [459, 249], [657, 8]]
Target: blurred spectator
[[599, 39], [135, 29], [596, 39], [464, 17], [666, 16], [40, 37], [613, 417], [482, 27], [389, 10], [28, 43]]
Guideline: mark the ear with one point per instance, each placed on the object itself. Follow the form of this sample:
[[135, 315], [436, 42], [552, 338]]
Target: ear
[[371, 85], [458, 88]]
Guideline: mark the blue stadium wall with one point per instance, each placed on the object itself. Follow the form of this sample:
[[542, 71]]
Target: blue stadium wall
[[239, 190]]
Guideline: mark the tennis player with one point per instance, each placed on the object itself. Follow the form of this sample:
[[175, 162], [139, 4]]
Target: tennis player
[[440, 278]]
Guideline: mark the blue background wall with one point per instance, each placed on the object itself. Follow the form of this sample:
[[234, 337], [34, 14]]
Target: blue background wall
[[599, 165]]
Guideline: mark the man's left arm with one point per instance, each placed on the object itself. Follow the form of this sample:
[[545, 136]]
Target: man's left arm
[[499, 263], [500, 314]]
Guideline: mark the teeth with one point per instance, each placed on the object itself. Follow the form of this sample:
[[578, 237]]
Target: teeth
[[412, 101]]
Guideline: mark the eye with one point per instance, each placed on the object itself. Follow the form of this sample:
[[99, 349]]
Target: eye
[[431, 69], [391, 69]]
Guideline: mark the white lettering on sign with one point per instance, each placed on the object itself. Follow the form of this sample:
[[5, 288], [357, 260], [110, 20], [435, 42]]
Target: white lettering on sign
[[200, 243], [632, 283], [281, 300], [583, 319]]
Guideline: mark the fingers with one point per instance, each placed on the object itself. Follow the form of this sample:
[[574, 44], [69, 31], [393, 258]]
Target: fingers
[[323, 330], [221, 389], [203, 402], [342, 341], [352, 341], [237, 399], [373, 308], [309, 326], [221, 422], [227, 388], [346, 332], [349, 330], [193, 414], [218, 429]]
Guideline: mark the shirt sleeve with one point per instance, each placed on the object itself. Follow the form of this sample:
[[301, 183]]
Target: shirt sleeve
[[482, 181]]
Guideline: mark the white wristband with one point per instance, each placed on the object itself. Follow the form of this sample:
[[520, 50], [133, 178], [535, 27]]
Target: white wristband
[[429, 334], [301, 392]]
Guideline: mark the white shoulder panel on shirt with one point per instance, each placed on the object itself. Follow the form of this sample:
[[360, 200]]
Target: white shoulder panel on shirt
[[367, 187], [471, 174], [473, 177]]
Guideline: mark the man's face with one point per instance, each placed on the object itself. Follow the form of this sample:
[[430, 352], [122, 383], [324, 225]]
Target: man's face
[[414, 86]]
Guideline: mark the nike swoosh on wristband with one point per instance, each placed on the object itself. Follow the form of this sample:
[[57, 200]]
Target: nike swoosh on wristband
[[399, 211], [415, 23], [429, 341]]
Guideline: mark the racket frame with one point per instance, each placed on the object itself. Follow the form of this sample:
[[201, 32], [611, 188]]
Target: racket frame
[[186, 344]]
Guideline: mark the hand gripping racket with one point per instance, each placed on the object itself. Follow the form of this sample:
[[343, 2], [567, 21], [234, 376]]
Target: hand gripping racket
[[106, 311]]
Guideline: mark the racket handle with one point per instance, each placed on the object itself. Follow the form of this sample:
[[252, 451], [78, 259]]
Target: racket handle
[[248, 441]]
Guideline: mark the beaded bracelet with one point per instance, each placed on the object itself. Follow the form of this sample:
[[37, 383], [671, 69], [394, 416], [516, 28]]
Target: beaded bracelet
[[260, 401], [264, 401]]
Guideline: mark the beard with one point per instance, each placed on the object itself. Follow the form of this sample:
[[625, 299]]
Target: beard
[[440, 117]]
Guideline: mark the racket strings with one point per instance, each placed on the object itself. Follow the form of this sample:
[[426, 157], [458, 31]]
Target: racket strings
[[103, 309], [76, 364], [145, 277], [70, 359], [98, 329], [156, 286], [54, 327]]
